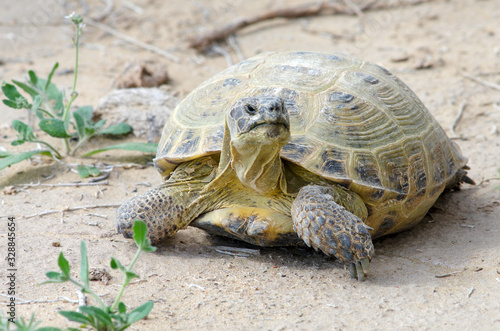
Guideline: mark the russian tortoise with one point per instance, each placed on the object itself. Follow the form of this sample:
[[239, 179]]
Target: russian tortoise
[[289, 148]]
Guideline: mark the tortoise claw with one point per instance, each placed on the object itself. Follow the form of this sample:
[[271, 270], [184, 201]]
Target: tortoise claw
[[359, 269]]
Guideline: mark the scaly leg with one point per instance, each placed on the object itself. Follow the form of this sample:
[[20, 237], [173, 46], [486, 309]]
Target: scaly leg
[[322, 221]]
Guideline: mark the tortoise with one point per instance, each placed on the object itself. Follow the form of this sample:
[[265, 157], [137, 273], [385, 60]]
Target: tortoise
[[288, 148]]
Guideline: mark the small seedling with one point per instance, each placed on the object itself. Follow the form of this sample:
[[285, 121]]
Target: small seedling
[[103, 317], [53, 111]]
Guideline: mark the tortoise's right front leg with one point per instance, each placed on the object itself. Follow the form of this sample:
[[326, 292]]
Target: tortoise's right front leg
[[171, 206], [161, 210]]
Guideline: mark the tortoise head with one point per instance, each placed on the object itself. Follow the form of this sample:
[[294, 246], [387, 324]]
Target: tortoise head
[[266, 115], [256, 130]]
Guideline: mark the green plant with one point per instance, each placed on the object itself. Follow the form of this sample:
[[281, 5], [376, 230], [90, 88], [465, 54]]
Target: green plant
[[100, 317], [52, 109], [103, 317]]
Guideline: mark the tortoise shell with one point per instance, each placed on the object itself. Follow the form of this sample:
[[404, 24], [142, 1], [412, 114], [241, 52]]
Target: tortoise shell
[[352, 122]]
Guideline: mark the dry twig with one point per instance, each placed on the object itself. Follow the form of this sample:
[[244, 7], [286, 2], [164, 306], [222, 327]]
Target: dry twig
[[450, 274], [481, 81], [236, 251], [457, 118], [204, 40], [62, 211], [470, 292], [60, 184]]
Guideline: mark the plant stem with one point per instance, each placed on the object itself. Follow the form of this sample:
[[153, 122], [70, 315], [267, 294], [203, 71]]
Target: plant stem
[[74, 94], [80, 142], [49, 146], [89, 291], [77, 42], [126, 280]]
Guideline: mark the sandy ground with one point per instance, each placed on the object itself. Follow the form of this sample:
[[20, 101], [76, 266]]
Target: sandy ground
[[431, 46]]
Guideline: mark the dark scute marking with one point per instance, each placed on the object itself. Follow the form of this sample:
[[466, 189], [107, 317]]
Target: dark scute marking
[[421, 182], [237, 225], [400, 197], [367, 171], [333, 167], [330, 114], [312, 54], [187, 146], [387, 72], [334, 163], [377, 194], [340, 97], [215, 141], [367, 78], [232, 82], [296, 150], [304, 53], [387, 224]]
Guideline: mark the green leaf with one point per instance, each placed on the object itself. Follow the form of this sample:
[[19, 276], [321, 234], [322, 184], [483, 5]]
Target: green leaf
[[48, 328], [64, 265], [84, 265], [47, 83], [16, 158], [53, 275], [22, 128], [140, 312], [122, 309], [86, 171], [28, 89], [52, 93], [115, 264], [76, 316], [85, 112], [117, 129], [141, 147], [84, 123], [25, 133], [140, 232], [54, 127], [98, 313], [11, 104], [140, 236], [98, 125], [33, 77], [80, 124], [10, 91], [5, 154], [129, 275]]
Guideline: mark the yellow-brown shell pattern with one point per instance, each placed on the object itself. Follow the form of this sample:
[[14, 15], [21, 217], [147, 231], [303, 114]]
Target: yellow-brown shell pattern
[[352, 122]]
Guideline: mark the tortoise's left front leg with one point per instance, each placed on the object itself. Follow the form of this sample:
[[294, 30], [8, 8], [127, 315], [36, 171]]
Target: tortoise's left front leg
[[322, 221]]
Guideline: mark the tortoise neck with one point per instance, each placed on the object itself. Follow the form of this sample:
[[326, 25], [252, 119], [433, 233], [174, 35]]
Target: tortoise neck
[[258, 167], [255, 161]]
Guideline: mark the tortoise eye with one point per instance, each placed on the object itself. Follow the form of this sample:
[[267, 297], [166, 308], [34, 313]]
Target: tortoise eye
[[251, 109]]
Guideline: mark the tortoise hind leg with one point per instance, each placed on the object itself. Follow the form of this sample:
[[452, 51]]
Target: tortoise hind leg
[[322, 221]]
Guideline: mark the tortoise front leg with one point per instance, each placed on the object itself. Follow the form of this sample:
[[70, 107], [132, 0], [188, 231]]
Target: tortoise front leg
[[322, 221], [172, 205], [162, 211]]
